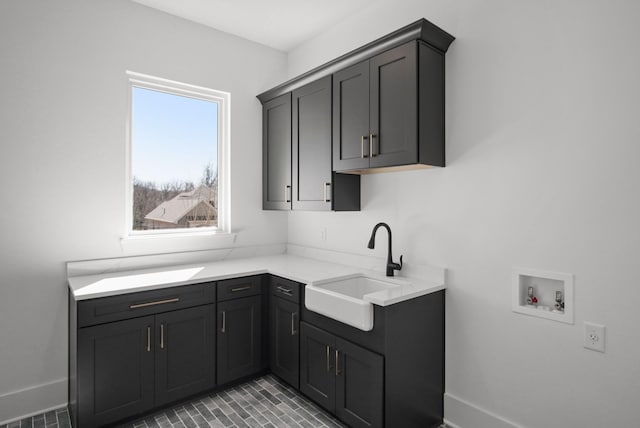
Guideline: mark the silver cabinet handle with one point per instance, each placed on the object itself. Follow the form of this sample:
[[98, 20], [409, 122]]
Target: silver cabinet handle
[[283, 290], [287, 193], [162, 336], [328, 358], [224, 322], [293, 323], [371, 137], [234, 290], [337, 357], [148, 338], [157, 302], [362, 155], [326, 185]]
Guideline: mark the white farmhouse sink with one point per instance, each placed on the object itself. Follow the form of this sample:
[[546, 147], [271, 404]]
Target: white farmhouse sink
[[346, 299]]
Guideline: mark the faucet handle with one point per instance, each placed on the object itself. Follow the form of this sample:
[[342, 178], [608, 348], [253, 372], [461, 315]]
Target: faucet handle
[[394, 266]]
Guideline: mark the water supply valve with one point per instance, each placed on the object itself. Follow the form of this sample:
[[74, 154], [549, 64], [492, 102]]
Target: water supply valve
[[559, 304], [531, 299]]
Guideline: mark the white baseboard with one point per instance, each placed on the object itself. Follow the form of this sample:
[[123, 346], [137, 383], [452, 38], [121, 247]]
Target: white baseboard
[[16, 405], [459, 413]]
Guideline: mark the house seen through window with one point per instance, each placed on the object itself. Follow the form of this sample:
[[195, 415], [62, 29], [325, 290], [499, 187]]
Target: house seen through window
[[174, 159]]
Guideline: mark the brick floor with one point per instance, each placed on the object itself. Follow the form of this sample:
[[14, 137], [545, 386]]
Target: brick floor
[[264, 402]]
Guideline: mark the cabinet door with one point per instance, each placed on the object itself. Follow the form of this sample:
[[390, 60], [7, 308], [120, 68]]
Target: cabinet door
[[312, 146], [239, 338], [351, 118], [276, 153], [359, 385], [317, 353], [185, 343], [285, 350], [115, 371], [394, 104]]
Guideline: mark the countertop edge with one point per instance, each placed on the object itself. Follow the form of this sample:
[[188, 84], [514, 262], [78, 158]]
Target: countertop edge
[[248, 267]]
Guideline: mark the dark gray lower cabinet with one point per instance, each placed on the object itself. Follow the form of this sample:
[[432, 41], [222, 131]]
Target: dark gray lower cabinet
[[116, 370], [317, 378], [359, 385], [239, 338], [132, 353], [284, 329], [128, 367], [342, 377], [284, 334], [184, 353], [131, 366]]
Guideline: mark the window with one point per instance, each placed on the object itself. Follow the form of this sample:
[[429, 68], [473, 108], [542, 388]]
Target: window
[[177, 164]]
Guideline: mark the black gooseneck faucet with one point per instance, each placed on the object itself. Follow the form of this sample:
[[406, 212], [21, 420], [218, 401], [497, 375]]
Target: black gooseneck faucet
[[391, 265]]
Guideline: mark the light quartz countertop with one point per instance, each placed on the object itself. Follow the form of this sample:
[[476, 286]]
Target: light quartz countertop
[[296, 268]]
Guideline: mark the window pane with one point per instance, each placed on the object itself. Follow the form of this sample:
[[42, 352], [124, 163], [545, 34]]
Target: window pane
[[174, 161]]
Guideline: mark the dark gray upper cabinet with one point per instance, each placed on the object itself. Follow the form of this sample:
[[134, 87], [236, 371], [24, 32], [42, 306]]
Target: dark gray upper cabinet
[[315, 186], [393, 107], [389, 111], [185, 353], [276, 153], [351, 118], [312, 146], [297, 170], [387, 106]]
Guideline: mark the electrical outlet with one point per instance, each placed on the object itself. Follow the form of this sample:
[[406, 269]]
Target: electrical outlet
[[323, 234], [594, 336]]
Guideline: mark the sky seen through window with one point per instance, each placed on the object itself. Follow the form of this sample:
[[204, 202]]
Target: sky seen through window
[[174, 137]]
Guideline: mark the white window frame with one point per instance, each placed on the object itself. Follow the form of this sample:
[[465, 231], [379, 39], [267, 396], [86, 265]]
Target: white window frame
[[223, 99]]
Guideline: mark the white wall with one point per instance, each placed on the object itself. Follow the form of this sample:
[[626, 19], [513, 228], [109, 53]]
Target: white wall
[[543, 141], [62, 168]]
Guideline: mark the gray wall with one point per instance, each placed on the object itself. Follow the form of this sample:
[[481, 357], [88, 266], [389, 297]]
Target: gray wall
[[543, 141], [62, 127]]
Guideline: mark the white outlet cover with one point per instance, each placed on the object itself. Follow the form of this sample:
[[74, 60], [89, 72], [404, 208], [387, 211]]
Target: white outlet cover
[[594, 336]]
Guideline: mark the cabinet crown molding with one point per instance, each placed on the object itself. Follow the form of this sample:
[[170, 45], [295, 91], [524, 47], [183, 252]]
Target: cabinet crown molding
[[420, 30]]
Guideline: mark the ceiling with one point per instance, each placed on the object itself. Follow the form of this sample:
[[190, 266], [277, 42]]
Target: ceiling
[[280, 24]]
